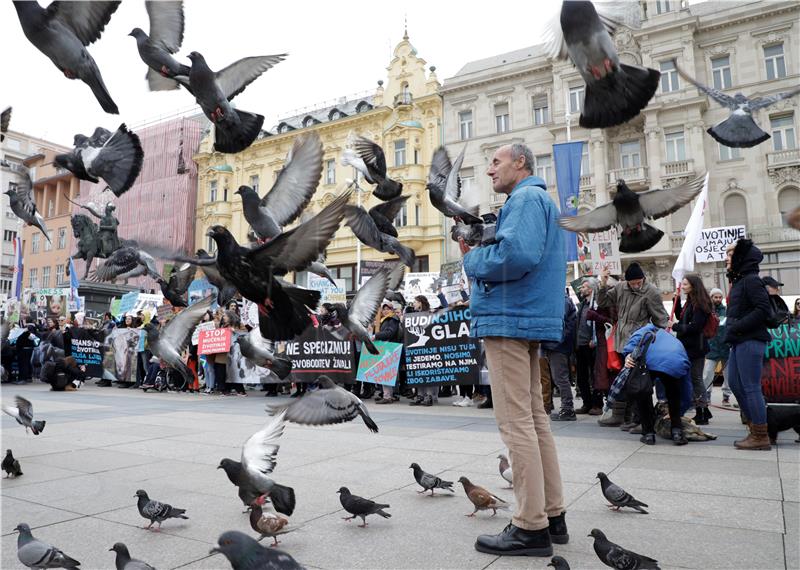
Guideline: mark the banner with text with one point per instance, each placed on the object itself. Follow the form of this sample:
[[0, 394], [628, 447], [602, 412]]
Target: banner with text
[[331, 292], [714, 241], [318, 351], [380, 368], [604, 251], [241, 370], [426, 283], [87, 349], [780, 376], [214, 341]]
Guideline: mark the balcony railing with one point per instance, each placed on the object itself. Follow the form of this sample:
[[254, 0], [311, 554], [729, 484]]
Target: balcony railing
[[783, 157], [403, 99], [587, 181], [635, 174], [677, 168]]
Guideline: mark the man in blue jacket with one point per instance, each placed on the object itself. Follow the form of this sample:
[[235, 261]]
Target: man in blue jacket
[[516, 301]]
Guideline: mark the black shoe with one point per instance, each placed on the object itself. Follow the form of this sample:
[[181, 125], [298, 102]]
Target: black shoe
[[486, 405], [707, 413], [564, 416], [418, 401], [558, 529], [428, 401], [678, 438], [105, 383], [514, 541], [648, 439]]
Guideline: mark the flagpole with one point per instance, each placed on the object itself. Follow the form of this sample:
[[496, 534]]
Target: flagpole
[[568, 119]]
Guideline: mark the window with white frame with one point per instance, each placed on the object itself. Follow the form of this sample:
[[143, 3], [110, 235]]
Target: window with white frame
[[46, 276], [212, 191], [783, 132], [51, 208], [330, 171], [211, 245], [401, 219], [254, 182], [400, 152], [586, 163], [34, 278], [48, 243], [59, 275], [728, 153], [62, 238], [664, 6], [544, 168], [35, 242], [502, 120], [676, 146], [669, 76], [576, 95], [467, 176], [721, 71], [735, 209], [774, 61], [465, 125], [541, 110], [9, 235], [630, 154]]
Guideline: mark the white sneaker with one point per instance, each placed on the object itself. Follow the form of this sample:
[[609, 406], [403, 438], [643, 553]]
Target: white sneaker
[[477, 400], [463, 402]]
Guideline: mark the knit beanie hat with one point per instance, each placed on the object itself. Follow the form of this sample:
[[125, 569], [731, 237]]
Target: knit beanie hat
[[717, 291], [634, 271]]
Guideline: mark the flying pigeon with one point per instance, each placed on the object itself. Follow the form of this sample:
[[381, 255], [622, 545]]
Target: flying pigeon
[[234, 129], [245, 553], [261, 352], [125, 263], [615, 92], [318, 268], [368, 158], [360, 507], [444, 187], [628, 210], [396, 276], [115, 157], [155, 511], [21, 202], [430, 482], [225, 290], [739, 130], [266, 523], [482, 499], [291, 193], [330, 404], [374, 228], [175, 289], [34, 553], [618, 497], [11, 465], [166, 36], [5, 119], [124, 560], [614, 556], [475, 234], [170, 341], [559, 563], [61, 32], [361, 312], [505, 470], [23, 413]]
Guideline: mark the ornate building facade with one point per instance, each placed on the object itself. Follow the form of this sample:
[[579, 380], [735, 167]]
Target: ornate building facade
[[403, 116], [734, 46]]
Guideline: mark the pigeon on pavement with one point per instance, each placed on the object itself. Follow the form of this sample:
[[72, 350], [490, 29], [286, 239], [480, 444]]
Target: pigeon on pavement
[[11, 465], [559, 563], [115, 157], [175, 289], [156, 511], [266, 523], [34, 553], [245, 553], [291, 193], [23, 413], [482, 499], [329, 404], [614, 556], [430, 482], [505, 470], [618, 497], [234, 129], [62, 30], [125, 263], [615, 92], [22, 204], [374, 228], [628, 210], [368, 158], [5, 119], [124, 560], [444, 187], [166, 36], [360, 507], [739, 130], [261, 352], [362, 310]]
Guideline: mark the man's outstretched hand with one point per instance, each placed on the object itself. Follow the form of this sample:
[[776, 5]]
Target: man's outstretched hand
[[462, 245]]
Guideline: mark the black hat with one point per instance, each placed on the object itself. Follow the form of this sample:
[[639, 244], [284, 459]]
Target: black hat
[[634, 271], [771, 282]]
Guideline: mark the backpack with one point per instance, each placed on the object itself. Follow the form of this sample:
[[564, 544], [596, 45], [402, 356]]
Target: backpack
[[712, 325], [777, 316]]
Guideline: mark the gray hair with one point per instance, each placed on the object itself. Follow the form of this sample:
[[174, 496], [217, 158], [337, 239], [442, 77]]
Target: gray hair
[[592, 282], [519, 149]]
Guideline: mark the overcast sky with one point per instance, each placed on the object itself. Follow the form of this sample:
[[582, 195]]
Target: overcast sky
[[335, 49]]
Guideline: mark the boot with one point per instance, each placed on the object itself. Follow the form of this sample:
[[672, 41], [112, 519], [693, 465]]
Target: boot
[[698, 416], [757, 440], [613, 417], [678, 438], [748, 425]]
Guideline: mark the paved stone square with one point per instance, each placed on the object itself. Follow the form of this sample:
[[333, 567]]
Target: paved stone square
[[710, 505]]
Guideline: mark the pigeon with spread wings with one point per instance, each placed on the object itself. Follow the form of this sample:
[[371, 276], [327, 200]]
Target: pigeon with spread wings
[[23, 413], [444, 187], [166, 36], [368, 158], [125, 263], [361, 312], [175, 289], [22, 204], [375, 229]]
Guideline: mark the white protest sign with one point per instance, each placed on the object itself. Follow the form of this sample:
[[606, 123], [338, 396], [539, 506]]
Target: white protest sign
[[205, 326], [604, 250], [713, 242], [331, 293]]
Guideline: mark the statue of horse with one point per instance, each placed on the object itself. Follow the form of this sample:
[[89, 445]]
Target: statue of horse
[[89, 246]]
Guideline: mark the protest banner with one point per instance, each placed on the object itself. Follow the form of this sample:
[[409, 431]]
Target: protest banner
[[331, 292], [380, 368], [319, 351], [604, 251], [214, 341], [249, 313], [422, 284], [241, 370], [199, 289], [164, 313], [87, 349], [124, 343], [713, 242], [780, 375], [114, 307], [128, 302], [439, 349], [452, 281], [206, 326]]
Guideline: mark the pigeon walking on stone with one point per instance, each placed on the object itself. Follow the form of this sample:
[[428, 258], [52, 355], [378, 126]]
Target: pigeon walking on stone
[[21, 201], [360, 507], [291, 192], [329, 404], [482, 499], [505, 470], [559, 563], [375, 228], [165, 39], [156, 511], [444, 188], [22, 411], [615, 92], [125, 263], [125, 562], [11, 465], [614, 556], [234, 129], [115, 157], [430, 482], [267, 524], [261, 352], [368, 158], [361, 312], [245, 553], [628, 210], [34, 553], [62, 31], [176, 288], [619, 497]]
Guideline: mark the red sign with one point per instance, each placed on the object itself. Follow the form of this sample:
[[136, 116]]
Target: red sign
[[214, 341]]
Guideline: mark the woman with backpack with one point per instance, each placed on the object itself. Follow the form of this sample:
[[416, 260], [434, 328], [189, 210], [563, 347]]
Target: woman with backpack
[[695, 318]]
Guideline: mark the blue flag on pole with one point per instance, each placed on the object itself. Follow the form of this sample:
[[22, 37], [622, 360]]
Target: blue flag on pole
[[567, 159], [73, 276]]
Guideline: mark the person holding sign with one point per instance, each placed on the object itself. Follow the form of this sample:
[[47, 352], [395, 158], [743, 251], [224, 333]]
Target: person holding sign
[[389, 331], [517, 301]]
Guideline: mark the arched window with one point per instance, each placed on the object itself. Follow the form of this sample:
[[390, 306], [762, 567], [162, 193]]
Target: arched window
[[735, 208], [308, 121], [363, 106], [788, 200]]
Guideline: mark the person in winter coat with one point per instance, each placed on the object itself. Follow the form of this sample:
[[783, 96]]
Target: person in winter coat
[[668, 362], [63, 374], [718, 350], [586, 349], [557, 354], [389, 331], [748, 310]]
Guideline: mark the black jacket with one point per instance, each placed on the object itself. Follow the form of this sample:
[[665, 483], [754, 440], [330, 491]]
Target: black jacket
[[748, 304], [567, 344], [390, 330], [689, 329]]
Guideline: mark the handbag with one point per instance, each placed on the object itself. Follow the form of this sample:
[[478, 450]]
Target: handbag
[[614, 362], [639, 381]]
